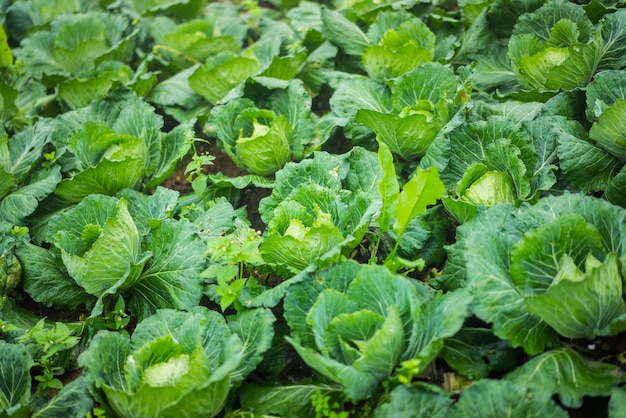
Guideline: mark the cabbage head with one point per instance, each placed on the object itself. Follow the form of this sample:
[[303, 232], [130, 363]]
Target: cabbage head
[[556, 47]]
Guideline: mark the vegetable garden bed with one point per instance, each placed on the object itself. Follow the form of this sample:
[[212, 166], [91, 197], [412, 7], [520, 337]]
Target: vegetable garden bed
[[284, 208]]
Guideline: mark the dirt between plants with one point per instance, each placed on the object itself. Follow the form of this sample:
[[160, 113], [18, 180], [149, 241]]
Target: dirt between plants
[[250, 196]]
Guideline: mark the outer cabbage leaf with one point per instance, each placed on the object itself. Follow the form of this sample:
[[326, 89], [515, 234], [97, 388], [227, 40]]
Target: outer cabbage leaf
[[288, 401], [74, 400], [15, 380], [46, 280], [476, 353], [416, 401], [582, 304], [171, 277], [497, 398], [614, 38], [76, 43], [566, 373]]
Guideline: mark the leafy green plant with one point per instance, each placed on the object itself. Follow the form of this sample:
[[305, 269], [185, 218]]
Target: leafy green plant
[[176, 361], [354, 324], [431, 222]]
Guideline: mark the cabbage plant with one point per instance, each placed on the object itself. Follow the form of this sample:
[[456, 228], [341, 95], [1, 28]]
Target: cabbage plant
[[263, 136], [546, 271], [176, 364], [555, 47], [356, 324]]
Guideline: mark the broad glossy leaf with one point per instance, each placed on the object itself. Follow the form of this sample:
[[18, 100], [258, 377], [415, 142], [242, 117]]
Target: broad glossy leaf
[[342, 32], [214, 83], [108, 178], [496, 298], [416, 401], [430, 82], [255, 329], [476, 353], [352, 95], [292, 401], [565, 373], [104, 360], [614, 37], [17, 205], [47, 282], [268, 148], [329, 304], [382, 352], [303, 295], [439, 319], [536, 258], [15, 380], [581, 304], [608, 131], [585, 165], [74, 400], [171, 278], [498, 398], [346, 333], [357, 385], [422, 190]]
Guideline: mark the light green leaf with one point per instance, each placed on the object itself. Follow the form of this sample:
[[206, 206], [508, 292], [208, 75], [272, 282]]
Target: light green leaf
[[584, 165], [170, 278], [617, 403], [18, 205], [357, 385], [104, 361], [498, 398], [381, 353], [255, 329], [536, 259], [6, 57], [352, 95], [487, 247], [108, 178], [439, 319], [268, 148], [347, 331], [614, 37], [113, 259], [566, 373], [388, 186], [422, 190], [608, 131], [581, 304], [214, 83], [342, 32], [302, 296], [329, 304]]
